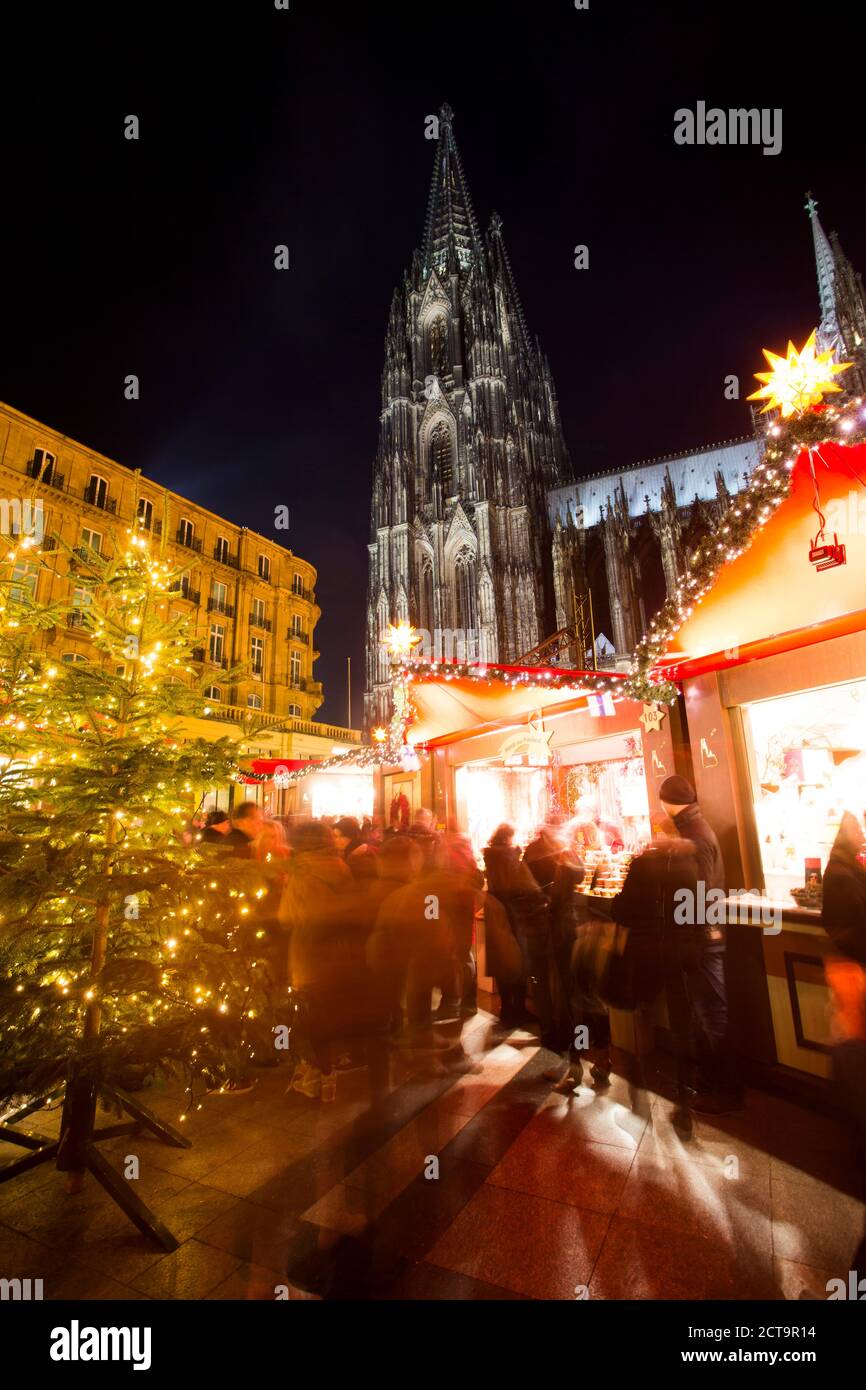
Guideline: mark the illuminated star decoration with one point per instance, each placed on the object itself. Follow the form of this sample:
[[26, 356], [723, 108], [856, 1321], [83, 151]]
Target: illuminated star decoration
[[401, 638], [798, 381], [652, 718]]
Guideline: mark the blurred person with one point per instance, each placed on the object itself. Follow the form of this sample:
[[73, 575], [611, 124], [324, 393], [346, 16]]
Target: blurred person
[[312, 914], [511, 882], [565, 917], [216, 828], [541, 855], [719, 1085], [412, 941], [455, 880], [423, 832], [347, 835], [659, 950], [247, 822], [843, 916]]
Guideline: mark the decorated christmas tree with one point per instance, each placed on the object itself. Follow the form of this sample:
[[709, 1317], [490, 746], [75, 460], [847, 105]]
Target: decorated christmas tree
[[128, 947]]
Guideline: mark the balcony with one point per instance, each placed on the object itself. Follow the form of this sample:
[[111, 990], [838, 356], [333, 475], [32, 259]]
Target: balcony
[[50, 476], [225, 557], [299, 684], [217, 605], [189, 541], [155, 527], [95, 497], [75, 618], [241, 714], [293, 636], [191, 595], [264, 623], [306, 594]]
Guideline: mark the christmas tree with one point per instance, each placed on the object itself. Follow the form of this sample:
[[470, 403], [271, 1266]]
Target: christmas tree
[[128, 947]]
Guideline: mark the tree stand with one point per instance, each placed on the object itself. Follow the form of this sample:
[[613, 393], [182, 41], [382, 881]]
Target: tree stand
[[76, 1149]]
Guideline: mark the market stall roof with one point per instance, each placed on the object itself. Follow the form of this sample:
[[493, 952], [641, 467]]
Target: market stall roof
[[446, 706], [771, 598]]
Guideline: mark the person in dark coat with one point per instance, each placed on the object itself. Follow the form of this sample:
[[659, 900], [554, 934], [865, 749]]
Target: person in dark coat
[[513, 885], [719, 1087], [843, 916]]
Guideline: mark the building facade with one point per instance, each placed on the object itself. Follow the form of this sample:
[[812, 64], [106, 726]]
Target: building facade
[[251, 602], [470, 442]]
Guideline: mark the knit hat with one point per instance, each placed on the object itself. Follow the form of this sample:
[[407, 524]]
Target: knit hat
[[676, 791]]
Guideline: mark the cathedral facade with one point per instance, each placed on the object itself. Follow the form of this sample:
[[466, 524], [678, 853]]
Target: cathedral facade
[[481, 537], [470, 445]]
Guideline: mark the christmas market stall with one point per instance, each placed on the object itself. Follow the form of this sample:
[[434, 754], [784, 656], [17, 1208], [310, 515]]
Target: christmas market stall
[[498, 743], [485, 744], [767, 638]]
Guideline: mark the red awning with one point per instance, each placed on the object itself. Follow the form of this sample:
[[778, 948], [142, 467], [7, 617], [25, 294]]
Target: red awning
[[264, 768]]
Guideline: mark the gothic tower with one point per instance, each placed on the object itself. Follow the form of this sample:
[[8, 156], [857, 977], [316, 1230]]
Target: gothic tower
[[843, 304], [470, 442]]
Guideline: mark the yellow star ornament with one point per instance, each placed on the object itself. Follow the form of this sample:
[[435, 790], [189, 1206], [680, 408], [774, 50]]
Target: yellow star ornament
[[401, 639], [799, 380]]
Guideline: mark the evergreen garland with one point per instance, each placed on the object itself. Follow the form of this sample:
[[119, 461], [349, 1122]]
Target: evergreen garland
[[746, 514]]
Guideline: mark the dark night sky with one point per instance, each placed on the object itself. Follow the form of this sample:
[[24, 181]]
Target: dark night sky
[[262, 127]]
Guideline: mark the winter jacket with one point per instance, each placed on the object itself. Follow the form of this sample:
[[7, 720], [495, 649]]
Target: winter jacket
[[843, 914]]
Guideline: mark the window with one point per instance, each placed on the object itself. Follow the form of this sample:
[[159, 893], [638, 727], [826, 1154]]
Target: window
[[295, 668], [186, 532], [44, 464], [97, 490], [217, 643], [439, 345], [257, 656], [214, 693], [80, 597], [93, 539], [264, 567], [297, 625], [298, 584], [145, 513], [257, 613], [295, 711], [73, 659], [219, 596], [24, 580], [221, 550], [254, 701], [120, 671], [440, 453]]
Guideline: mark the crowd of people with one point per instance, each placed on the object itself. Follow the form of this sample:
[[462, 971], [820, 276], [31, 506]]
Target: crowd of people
[[371, 932], [371, 936]]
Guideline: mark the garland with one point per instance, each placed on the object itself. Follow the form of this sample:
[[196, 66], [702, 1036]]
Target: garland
[[746, 515]]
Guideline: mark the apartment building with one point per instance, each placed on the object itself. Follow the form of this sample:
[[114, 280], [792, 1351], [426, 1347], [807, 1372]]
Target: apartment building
[[250, 599]]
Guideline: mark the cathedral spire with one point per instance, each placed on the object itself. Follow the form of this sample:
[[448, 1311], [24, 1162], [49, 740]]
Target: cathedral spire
[[502, 265], [451, 236], [828, 329]]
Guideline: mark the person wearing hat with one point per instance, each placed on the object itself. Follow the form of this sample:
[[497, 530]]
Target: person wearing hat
[[700, 963]]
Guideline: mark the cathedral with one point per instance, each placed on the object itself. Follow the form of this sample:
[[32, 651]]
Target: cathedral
[[470, 445], [481, 536]]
